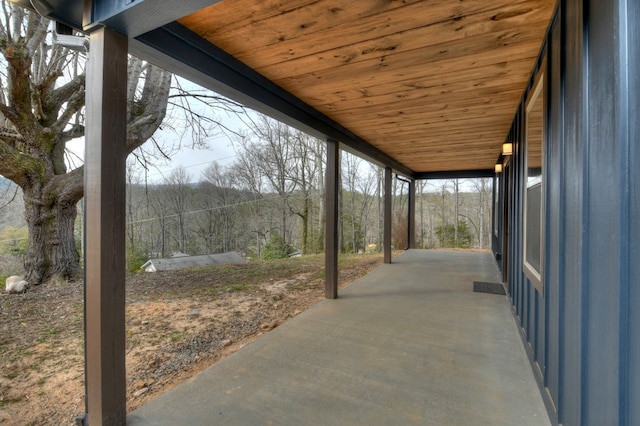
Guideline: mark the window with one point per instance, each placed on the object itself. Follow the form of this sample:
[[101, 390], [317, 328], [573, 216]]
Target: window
[[534, 199]]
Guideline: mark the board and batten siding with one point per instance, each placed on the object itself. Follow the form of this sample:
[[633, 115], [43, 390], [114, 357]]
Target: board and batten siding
[[583, 331]]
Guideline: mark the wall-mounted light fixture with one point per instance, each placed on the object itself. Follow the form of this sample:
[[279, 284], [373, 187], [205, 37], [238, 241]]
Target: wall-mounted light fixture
[[507, 148], [63, 36], [498, 168]]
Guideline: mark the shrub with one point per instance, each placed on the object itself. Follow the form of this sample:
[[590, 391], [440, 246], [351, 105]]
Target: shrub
[[135, 260], [446, 234], [276, 248]]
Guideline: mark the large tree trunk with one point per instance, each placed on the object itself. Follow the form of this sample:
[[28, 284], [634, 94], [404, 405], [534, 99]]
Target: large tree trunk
[[52, 252]]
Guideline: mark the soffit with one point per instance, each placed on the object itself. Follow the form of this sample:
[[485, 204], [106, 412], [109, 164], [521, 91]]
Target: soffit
[[433, 84]]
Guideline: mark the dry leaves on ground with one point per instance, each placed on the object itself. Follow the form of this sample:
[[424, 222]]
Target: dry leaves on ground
[[177, 324]]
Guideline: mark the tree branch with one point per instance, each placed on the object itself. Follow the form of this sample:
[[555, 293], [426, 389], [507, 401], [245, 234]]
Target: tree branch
[[17, 166], [19, 88], [77, 131], [62, 94], [67, 187], [74, 104], [36, 32], [8, 112]]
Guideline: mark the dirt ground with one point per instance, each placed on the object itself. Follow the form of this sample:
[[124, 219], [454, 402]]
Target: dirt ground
[[177, 324]]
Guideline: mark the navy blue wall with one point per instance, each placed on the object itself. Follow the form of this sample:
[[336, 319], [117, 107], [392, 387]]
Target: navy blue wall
[[583, 331], [633, 210]]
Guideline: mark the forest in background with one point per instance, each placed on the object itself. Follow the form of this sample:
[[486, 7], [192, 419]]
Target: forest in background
[[268, 203]]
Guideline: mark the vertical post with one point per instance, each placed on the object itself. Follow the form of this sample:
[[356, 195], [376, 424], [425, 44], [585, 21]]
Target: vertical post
[[331, 228], [411, 215], [105, 149], [387, 214]]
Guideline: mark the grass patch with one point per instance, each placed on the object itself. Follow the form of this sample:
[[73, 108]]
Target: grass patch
[[177, 337], [6, 402], [48, 334], [11, 375], [237, 287]]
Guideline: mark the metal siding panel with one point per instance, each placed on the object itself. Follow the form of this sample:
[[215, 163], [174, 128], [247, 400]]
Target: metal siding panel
[[517, 221], [522, 280], [540, 331], [633, 172], [532, 311], [514, 227], [510, 198], [554, 219], [570, 405], [603, 206]]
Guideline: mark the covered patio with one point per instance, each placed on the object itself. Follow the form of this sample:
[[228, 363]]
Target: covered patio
[[409, 343], [541, 95]]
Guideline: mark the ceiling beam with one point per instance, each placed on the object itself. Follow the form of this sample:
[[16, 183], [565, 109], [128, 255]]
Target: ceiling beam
[[135, 17], [187, 54]]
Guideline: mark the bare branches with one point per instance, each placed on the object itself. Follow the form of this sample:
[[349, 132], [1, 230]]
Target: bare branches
[[76, 131], [13, 197], [200, 108]]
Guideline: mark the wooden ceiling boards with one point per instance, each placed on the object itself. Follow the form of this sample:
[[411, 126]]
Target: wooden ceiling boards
[[434, 84]]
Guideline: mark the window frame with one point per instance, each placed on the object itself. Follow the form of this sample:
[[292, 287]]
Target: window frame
[[538, 93]]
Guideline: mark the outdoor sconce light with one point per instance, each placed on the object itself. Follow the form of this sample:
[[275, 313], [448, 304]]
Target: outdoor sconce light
[[507, 148], [498, 168]]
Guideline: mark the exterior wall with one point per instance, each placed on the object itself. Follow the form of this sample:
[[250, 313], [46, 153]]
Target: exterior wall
[[583, 333], [633, 172]]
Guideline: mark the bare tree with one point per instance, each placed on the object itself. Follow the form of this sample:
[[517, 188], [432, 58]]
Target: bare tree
[[41, 100], [42, 96], [302, 172], [177, 193], [320, 158], [360, 182], [218, 181], [278, 159], [366, 186]]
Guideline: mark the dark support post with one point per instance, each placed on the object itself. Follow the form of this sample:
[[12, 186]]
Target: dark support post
[[106, 108], [411, 215], [331, 227], [387, 215]]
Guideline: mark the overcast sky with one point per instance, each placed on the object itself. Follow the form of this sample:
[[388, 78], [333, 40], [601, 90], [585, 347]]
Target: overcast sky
[[220, 149], [195, 161]]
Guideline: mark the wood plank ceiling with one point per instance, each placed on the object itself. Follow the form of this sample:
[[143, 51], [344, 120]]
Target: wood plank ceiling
[[434, 84]]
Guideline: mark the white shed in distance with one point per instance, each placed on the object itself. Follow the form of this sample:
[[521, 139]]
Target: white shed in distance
[[154, 265]]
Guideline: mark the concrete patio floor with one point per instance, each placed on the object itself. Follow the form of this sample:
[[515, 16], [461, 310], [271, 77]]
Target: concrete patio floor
[[409, 343]]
